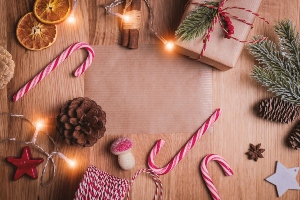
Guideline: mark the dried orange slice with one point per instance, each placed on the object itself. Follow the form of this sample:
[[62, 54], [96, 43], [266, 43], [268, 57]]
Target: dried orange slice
[[52, 11], [35, 35]]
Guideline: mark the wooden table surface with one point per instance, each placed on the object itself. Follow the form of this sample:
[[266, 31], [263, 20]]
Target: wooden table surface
[[233, 91]]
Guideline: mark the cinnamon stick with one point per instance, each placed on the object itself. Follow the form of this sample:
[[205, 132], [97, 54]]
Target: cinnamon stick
[[134, 33]]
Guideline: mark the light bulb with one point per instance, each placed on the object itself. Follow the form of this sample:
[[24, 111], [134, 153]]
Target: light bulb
[[126, 18], [169, 46], [71, 19], [38, 126], [72, 163]]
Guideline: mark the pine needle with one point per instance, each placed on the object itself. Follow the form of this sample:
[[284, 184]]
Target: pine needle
[[289, 41], [197, 22], [279, 66]]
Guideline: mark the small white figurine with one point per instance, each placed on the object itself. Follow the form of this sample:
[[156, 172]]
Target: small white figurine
[[122, 148]]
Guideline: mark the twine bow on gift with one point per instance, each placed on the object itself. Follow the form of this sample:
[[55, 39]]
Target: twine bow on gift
[[219, 15]]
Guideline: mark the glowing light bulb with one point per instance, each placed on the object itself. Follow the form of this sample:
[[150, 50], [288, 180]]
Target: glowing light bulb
[[169, 46], [72, 163], [126, 18], [71, 19], [38, 127]]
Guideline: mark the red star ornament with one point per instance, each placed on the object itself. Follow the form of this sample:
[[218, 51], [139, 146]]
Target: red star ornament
[[26, 164]]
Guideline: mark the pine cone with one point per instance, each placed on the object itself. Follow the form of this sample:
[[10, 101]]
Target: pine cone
[[7, 66], [275, 109], [81, 122], [294, 138]]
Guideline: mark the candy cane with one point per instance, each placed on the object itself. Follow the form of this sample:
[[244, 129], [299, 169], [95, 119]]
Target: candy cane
[[184, 150], [40, 76], [209, 183]]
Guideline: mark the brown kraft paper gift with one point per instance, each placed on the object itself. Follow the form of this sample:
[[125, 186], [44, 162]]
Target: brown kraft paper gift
[[220, 52]]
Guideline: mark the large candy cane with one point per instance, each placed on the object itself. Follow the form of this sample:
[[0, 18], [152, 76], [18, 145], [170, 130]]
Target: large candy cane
[[209, 183], [55, 63], [184, 150]]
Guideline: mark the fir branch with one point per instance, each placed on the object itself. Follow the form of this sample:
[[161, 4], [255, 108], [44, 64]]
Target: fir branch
[[279, 69], [197, 22], [266, 53], [289, 41], [280, 85], [268, 56]]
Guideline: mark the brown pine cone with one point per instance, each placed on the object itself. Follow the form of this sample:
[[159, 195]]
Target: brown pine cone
[[275, 109], [81, 122], [7, 66], [294, 137]]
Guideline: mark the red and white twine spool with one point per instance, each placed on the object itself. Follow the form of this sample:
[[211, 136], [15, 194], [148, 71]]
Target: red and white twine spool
[[184, 150], [97, 184], [64, 55], [204, 172]]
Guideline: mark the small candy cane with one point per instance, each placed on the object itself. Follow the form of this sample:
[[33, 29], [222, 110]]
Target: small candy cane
[[209, 183], [55, 63], [184, 150]]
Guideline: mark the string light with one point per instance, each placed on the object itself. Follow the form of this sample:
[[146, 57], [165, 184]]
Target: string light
[[108, 9], [126, 18], [169, 46], [69, 161], [71, 19], [38, 127]]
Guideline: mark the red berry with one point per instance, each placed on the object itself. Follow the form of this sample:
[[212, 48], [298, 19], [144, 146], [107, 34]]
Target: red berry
[[222, 14], [226, 19], [229, 23], [231, 32], [230, 27], [227, 36]]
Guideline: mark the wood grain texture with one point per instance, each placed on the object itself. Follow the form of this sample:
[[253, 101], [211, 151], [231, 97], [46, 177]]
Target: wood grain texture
[[234, 92]]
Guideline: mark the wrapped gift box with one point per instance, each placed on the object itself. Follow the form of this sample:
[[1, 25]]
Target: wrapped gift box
[[220, 52]]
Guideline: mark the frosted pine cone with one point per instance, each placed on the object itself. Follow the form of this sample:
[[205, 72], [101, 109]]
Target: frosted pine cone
[[275, 109], [81, 122]]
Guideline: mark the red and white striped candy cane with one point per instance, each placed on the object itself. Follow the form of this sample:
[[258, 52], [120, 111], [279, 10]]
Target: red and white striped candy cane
[[184, 150], [209, 183], [55, 63]]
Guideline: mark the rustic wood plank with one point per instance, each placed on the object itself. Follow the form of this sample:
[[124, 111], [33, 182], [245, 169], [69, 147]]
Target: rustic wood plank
[[234, 92]]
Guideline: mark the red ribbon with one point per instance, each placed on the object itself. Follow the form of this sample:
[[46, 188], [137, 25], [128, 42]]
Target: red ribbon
[[222, 14]]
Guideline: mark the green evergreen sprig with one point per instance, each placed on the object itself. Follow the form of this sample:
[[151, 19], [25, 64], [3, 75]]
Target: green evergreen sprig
[[279, 66], [197, 22]]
